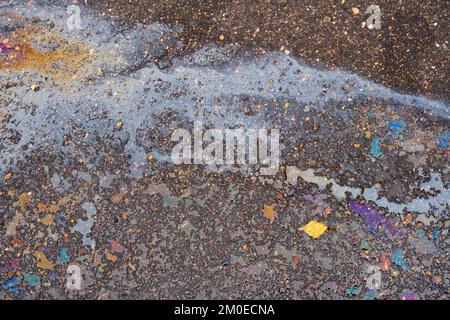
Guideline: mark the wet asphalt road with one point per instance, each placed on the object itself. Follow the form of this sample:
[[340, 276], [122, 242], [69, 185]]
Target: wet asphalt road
[[410, 53], [86, 119]]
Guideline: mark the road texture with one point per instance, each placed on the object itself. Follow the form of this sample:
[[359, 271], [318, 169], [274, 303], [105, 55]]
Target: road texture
[[358, 207]]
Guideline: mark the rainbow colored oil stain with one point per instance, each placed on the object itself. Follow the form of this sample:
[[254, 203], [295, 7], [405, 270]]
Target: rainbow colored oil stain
[[63, 63]]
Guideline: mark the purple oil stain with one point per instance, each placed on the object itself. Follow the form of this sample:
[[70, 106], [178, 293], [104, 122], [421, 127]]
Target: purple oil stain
[[409, 295], [3, 48], [391, 229], [370, 216], [373, 219]]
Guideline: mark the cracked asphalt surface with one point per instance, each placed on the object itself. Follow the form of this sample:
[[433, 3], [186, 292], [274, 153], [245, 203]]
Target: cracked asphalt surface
[[87, 180]]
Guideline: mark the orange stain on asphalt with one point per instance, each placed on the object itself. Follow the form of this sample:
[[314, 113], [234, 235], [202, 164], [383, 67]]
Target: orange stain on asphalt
[[62, 63]]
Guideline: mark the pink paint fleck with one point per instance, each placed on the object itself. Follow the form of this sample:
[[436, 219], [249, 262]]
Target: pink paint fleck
[[409, 295]]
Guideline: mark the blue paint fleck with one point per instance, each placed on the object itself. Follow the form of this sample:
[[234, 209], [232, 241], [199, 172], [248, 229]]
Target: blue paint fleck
[[443, 141], [375, 148], [353, 291], [421, 233], [399, 259], [396, 127], [11, 284], [32, 280], [435, 234], [371, 295], [63, 256]]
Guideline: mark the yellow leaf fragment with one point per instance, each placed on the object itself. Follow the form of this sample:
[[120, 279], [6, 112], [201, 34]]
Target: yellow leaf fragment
[[47, 220], [42, 261], [41, 207], [63, 201], [116, 246], [269, 213], [53, 208], [23, 200], [7, 176], [110, 256], [314, 229], [355, 10]]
